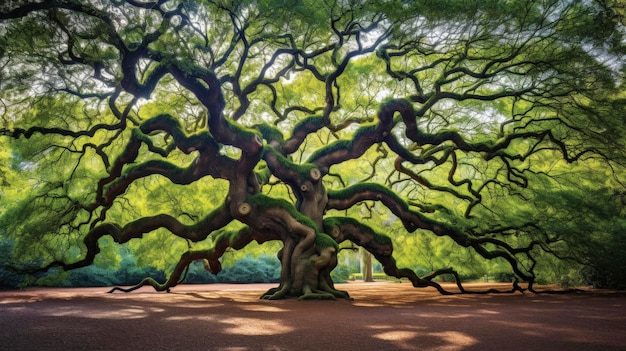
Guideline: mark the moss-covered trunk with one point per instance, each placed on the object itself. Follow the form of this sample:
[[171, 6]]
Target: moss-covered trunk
[[306, 272], [306, 275]]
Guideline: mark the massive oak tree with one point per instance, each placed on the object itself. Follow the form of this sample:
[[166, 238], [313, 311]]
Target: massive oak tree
[[310, 123]]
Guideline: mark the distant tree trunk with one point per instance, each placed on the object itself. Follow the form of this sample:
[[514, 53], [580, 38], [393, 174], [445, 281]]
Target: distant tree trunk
[[366, 267]]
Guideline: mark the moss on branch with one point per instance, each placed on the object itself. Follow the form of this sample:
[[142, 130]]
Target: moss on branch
[[331, 222], [361, 188], [348, 145], [243, 132], [365, 130], [263, 173], [302, 170], [171, 125], [339, 145], [363, 138], [323, 240], [301, 130], [270, 133], [310, 123], [264, 202], [167, 169], [228, 236]]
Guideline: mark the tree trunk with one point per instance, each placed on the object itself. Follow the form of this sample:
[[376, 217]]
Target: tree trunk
[[366, 267], [306, 275], [308, 255]]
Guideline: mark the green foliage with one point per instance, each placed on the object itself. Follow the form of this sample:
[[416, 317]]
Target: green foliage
[[566, 273], [605, 269], [606, 252], [126, 273], [198, 275], [247, 269]]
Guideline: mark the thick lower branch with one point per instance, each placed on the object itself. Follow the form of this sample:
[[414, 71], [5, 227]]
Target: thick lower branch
[[413, 220], [218, 218], [223, 240], [381, 247], [209, 161]]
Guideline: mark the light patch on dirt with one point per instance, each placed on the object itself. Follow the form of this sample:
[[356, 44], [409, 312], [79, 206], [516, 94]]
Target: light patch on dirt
[[456, 340], [263, 308], [396, 335], [255, 326], [125, 313]]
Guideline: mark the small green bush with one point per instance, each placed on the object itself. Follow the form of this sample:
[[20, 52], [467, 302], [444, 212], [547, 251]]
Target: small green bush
[[340, 274], [262, 269], [8, 278]]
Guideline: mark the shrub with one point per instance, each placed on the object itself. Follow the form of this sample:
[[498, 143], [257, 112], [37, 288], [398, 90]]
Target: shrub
[[8, 278], [263, 269], [340, 274]]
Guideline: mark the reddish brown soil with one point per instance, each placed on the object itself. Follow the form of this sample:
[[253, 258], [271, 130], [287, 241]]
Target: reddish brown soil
[[383, 316]]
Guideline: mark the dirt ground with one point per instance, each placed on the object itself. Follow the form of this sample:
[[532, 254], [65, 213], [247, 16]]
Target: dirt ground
[[382, 316]]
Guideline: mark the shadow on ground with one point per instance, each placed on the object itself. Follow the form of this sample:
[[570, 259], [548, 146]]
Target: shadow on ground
[[383, 316]]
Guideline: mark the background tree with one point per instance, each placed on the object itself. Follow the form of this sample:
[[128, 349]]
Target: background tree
[[196, 127]]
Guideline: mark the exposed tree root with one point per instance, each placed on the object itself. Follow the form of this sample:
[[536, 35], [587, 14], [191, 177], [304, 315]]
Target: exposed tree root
[[174, 279], [146, 281], [278, 293], [310, 294]]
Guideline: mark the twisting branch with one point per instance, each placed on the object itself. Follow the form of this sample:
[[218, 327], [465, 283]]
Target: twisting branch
[[222, 241], [426, 183], [208, 162], [413, 220], [381, 247], [364, 137], [301, 130], [199, 231]]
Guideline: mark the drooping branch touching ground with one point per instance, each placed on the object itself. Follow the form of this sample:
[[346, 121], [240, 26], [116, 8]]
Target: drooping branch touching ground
[[199, 231], [413, 220], [222, 241], [181, 268], [381, 247]]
